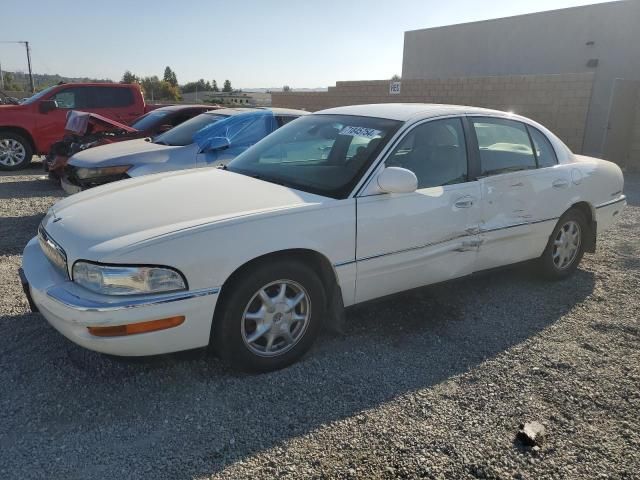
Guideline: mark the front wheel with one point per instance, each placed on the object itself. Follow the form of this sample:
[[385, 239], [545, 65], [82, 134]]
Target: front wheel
[[565, 247], [15, 151], [269, 316]]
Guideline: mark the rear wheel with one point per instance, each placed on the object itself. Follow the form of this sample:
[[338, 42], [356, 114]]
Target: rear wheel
[[15, 151], [269, 316], [565, 247]]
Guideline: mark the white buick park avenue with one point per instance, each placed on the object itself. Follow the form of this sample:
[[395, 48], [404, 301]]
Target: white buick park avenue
[[333, 209]]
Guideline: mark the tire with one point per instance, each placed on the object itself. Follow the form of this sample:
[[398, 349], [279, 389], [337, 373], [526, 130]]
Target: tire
[[565, 248], [15, 151], [250, 333]]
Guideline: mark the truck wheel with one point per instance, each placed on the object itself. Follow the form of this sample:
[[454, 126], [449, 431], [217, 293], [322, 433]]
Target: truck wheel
[[15, 151], [269, 317]]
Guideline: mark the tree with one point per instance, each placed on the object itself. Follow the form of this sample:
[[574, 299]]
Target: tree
[[395, 78], [227, 87], [170, 76], [214, 86], [129, 77], [156, 89], [199, 86], [286, 88], [9, 82]]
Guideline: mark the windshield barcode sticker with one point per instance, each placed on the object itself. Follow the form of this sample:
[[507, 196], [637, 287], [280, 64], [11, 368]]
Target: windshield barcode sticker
[[360, 132]]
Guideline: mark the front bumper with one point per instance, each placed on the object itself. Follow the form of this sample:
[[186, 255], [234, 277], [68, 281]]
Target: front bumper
[[70, 309]]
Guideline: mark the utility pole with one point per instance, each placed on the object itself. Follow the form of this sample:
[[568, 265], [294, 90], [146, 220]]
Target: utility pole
[[1, 78], [26, 44], [33, 87]]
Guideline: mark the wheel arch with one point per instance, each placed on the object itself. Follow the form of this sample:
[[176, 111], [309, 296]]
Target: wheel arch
[[589, 212], [319, 262], [23, 132]]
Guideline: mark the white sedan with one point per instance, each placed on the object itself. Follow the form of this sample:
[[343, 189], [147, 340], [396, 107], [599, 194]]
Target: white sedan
[[335, 208]]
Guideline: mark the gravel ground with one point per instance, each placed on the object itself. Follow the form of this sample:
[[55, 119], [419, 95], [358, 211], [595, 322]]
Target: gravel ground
[[430, 384]]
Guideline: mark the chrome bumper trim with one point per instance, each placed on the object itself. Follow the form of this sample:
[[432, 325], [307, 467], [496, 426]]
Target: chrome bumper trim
[[71, 300]]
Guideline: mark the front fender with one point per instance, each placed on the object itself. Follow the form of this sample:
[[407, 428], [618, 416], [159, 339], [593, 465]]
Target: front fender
[[208, 254]]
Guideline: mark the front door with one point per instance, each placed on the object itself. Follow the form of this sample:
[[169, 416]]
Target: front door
[[51, 124], [430, 235]]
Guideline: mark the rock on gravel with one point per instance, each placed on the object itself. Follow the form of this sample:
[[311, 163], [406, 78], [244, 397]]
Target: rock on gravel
[[431, 384], [532, 434]]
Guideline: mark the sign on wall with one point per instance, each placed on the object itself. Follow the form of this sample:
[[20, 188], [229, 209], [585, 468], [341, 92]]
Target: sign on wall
[[394, 88]]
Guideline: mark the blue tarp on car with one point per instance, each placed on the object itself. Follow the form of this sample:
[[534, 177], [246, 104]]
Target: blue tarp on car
[[240, 131]]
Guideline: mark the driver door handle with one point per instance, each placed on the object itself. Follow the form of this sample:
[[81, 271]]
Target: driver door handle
[[465, 202]]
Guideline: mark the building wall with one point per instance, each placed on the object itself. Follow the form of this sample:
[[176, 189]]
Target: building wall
[[560, 41], [560, 102]]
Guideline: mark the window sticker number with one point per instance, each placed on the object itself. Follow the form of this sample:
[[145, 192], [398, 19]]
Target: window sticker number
[[360, 132]]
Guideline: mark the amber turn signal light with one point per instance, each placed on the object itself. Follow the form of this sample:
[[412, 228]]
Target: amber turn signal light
[[135, 328]]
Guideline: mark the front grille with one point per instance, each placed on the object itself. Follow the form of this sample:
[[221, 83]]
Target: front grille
[[53, 251]]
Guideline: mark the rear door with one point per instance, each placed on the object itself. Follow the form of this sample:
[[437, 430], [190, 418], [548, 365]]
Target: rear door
[[430, 235], [118, 103], [507, 170]]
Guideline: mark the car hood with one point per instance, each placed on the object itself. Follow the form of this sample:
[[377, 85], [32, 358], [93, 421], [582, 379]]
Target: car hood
[[97, 223], [7, 109], [131, 152]]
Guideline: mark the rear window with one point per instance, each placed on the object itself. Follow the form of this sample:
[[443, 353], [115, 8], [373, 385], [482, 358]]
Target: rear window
[[150, 119], [183, 133], [109, 97], [544, 150], [504, 146]]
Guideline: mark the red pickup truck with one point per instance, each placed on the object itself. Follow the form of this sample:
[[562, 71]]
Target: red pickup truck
[[29, 128]]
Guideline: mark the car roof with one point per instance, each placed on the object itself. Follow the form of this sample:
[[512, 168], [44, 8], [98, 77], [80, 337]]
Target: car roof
[[407, 111], [276, 111], [175, 108]]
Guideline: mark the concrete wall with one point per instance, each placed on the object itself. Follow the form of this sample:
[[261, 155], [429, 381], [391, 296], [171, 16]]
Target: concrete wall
[[634, 154], [549, 42], [560, 102]]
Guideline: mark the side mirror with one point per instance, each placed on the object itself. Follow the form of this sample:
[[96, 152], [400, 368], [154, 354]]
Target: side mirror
[[217, 143], [397, 180], [47, 105]]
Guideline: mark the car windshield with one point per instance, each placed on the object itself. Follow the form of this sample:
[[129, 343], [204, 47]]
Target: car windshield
[[183, 133], [38, 96], [149, 120], [322, 154]]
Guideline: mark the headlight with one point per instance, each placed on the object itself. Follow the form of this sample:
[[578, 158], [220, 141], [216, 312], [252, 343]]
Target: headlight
[[85, 173], [127, 280]]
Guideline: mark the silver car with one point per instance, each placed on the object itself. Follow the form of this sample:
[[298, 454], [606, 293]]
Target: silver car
[[210, 139]]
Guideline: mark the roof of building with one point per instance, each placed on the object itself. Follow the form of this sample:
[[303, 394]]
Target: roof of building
[[567, 10]]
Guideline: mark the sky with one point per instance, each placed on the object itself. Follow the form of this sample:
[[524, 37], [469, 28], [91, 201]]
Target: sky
[[253, 43]]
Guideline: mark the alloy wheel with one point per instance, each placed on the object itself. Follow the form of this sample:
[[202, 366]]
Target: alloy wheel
[[12, 152], [566, 245], [276, 318]]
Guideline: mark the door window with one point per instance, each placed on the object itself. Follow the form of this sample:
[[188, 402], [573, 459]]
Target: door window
[[435, 151], [504, 146], [109, 97], [544, 150], [70, 98]]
